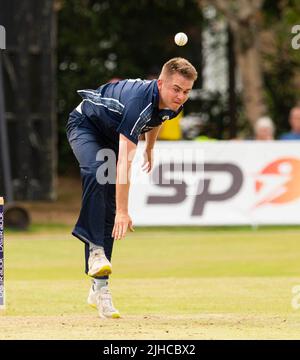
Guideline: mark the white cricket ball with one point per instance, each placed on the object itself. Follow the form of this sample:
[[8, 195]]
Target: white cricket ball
[[180, 39]]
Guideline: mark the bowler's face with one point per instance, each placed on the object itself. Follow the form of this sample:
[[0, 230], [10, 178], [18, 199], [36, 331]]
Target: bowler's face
[[173, 91]]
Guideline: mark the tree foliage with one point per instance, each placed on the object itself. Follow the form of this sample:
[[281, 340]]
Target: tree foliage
[[281, 62]]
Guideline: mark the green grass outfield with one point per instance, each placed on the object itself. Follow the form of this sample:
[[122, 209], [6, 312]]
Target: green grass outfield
[[168, 283]]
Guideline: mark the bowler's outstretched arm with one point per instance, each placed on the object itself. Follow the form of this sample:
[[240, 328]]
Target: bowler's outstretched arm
[[123, 221]]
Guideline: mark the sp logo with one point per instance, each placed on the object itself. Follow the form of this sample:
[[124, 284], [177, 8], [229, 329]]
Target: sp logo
[[202, 198]]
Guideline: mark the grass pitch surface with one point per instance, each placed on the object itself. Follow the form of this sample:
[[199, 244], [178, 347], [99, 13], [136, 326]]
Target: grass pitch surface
[[168, 283]]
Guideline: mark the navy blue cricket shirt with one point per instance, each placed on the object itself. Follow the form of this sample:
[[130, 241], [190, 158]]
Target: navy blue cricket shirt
[[128, 107]]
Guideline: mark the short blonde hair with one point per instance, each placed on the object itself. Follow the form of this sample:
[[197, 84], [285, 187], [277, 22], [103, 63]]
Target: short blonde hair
[[181, 66]]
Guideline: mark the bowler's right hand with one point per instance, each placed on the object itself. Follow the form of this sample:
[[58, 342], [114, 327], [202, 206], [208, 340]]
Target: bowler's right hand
[[122, 223]]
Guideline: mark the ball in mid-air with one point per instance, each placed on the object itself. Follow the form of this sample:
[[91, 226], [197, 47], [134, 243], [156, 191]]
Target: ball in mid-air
[[180, 39]]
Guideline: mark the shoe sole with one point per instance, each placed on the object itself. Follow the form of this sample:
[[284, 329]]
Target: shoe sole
[[113, 316], [104, 271]]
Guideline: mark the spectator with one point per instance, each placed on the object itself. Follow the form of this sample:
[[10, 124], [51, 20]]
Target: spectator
[[294, 120], [264, 129]]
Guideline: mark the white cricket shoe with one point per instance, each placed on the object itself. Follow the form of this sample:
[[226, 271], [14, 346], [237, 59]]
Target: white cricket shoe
[[102, 300], [99, 264]]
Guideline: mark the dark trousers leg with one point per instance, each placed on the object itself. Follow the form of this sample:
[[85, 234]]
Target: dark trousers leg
[[96, 218], [109, 224]]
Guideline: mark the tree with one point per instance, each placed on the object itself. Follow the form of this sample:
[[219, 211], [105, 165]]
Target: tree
[[243, 17], [281, 63]]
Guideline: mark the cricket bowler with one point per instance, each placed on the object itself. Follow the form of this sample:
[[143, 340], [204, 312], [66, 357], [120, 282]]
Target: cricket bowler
[[109, 121]]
